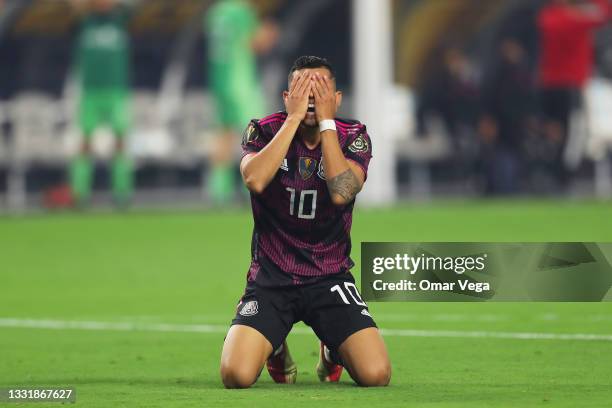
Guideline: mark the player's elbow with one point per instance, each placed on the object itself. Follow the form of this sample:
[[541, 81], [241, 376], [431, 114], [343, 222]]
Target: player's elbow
[[250, 176], [339, 200], [254, 185]]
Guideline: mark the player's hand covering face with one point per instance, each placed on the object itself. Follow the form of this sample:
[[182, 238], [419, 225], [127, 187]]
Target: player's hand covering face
[[296, 100], [325, 97]]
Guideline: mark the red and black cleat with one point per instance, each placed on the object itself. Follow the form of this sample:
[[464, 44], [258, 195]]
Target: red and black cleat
[[327, 370], [281, 367]]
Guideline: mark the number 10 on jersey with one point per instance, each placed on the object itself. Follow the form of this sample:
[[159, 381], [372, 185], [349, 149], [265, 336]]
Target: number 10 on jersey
[[308, 199]]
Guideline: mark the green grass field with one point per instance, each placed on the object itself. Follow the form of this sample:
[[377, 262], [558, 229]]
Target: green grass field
[[158, 290]]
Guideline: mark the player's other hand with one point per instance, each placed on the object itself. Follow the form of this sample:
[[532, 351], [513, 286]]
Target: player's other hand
[[296, 99], [325, 97]]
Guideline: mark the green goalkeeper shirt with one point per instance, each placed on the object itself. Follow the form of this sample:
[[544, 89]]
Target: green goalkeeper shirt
[[103, 51], [230, 25]]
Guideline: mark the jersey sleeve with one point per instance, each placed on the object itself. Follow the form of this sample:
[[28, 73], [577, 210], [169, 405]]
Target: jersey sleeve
[[359, 149], [252, 139]]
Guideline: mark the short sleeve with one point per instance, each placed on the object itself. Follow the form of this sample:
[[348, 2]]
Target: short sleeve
[[252, 139], [359, 149]]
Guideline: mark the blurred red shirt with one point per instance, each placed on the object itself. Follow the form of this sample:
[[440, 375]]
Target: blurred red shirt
[[566, 42]]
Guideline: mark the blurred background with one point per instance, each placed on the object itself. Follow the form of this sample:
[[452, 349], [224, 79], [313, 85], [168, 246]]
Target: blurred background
[[142, 102]]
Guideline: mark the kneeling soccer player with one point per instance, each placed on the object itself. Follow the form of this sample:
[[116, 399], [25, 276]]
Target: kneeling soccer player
[[304, 168]]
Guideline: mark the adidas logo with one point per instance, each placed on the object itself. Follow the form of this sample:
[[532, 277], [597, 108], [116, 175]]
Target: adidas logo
[[249, 308], [366, 313]]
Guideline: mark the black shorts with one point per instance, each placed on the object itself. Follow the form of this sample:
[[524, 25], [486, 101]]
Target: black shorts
[[332, 307]]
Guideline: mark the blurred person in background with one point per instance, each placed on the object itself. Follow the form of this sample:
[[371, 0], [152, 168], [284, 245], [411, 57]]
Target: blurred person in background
[[450, 93], [235, 37], [567, 56], [508, 103], [102, 62]]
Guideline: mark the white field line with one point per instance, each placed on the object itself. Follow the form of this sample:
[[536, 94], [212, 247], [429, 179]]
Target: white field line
[[405, 317], [385, 317], [220, 329]]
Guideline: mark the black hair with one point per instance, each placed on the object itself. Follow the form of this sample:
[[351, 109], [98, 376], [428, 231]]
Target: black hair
[[310, 61]]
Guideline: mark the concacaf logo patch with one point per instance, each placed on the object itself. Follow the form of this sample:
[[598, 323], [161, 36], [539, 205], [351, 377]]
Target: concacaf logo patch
[[307, 167], [250, 308], [250, 134], [359, 145]]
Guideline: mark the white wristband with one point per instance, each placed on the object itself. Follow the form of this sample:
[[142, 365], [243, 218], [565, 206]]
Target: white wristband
[[328, 124]]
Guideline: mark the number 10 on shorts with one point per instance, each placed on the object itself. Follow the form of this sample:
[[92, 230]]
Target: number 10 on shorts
[[352, 291]]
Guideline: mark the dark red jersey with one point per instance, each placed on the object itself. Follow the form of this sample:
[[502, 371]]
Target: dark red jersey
[[300, 236]]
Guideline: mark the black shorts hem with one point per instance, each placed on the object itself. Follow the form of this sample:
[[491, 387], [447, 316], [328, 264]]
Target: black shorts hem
[[335, 345], [275, 343]]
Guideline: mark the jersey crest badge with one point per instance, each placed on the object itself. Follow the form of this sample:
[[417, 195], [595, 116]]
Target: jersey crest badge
[[250, 308], [307, 167], [359, 145]]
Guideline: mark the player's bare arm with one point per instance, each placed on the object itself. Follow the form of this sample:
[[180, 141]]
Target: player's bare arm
[[344, 178], [258, 169], [345, 185]]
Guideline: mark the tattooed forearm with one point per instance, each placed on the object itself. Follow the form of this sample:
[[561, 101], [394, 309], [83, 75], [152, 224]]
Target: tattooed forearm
[[346, 185]]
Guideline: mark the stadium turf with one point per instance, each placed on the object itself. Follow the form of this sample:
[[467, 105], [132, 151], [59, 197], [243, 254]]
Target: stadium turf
[[134, 308]]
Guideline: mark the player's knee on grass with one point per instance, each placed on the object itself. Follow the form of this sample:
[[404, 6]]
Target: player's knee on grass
[[377, 374], [238, 376], [245, 351], [365, 357]]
